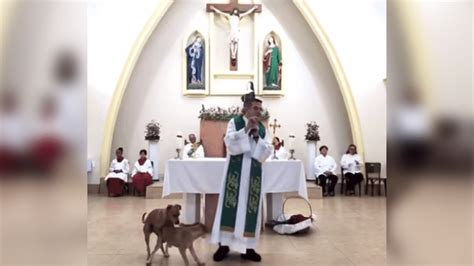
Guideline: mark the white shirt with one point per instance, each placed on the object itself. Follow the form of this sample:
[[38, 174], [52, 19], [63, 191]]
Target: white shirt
[[145, 168], [323, 164], [115, 165], [199, 153], [349, 165]]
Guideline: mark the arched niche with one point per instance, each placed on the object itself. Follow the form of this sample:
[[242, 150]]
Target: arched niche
[[271, 60], [195, 64]]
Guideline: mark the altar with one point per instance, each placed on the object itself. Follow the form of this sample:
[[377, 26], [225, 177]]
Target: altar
[[194, 177]]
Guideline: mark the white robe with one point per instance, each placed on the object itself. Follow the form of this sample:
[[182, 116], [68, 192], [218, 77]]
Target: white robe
[[115, 165], [145, 168], [239, 142], [282, 153], [349, 165], [199, 153], [323, 164]]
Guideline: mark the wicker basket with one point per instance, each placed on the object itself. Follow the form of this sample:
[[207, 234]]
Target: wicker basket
[[294, 224]]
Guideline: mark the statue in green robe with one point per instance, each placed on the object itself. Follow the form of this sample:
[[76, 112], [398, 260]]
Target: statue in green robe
[[272, 65]]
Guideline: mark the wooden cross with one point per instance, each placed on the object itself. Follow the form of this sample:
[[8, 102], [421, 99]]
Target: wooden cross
[[228, 8], [234, 4], [274, 126]]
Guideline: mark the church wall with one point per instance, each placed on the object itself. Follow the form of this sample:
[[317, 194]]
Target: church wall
[[113, 27], [111, 38], [357, 30], [154, 91]]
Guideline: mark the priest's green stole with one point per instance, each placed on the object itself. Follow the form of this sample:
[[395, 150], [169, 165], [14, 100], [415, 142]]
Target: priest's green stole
[[232, 188]]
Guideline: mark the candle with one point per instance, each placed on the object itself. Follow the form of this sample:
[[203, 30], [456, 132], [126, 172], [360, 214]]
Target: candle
[[291, 141], [179, 141]]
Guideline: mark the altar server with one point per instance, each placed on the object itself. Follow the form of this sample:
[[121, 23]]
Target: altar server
[[142, 174], [118, 174]]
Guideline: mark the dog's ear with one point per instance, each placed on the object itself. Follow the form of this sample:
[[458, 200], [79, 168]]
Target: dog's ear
[[179, 206]]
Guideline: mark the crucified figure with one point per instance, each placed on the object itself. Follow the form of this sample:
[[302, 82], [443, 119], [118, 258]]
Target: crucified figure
[[234, 18]]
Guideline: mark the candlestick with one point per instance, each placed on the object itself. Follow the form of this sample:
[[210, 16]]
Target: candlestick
[[178, 154], [292, 151], [179, 140], [291, 140]]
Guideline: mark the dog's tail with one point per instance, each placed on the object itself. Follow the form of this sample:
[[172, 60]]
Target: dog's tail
[[143, 217]]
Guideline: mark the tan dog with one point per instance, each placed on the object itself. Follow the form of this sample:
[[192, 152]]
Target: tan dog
[[154, 223], [183, 238]]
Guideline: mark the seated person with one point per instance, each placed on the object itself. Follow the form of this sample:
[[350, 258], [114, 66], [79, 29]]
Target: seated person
[[142, 174], [351, 166], [280, 151], [193, 149], [324, 167], [118, 173]]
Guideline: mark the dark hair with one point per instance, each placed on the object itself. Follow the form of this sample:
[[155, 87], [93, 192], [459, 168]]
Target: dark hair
[[277, 138], [238, 11], [352, 145], [143, 151], [120, 149], [323, 147], [271, 37]]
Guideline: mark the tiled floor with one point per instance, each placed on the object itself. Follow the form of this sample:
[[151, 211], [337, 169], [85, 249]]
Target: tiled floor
[[348, 231]]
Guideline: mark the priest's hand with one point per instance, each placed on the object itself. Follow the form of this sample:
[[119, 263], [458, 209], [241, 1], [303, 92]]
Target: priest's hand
[[252, 124]]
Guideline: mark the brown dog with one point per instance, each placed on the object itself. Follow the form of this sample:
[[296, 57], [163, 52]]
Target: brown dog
[[154, 223], [183, 238]]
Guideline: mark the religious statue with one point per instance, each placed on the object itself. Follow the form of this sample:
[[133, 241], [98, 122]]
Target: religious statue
[[195, 64], [234, 18], [272, 65]]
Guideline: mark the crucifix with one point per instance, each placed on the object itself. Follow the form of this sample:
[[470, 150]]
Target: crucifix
[[274, 126], [234, 12]]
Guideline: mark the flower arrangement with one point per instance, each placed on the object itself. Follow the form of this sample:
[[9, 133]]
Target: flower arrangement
[[152, 131], [312, 131], [224, 114]]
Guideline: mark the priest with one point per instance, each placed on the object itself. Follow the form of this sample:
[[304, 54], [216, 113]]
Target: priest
[[238, 216], [193, 149]]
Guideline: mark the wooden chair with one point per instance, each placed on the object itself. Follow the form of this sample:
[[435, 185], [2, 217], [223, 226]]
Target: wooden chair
[[343, 179], [373, 175]]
